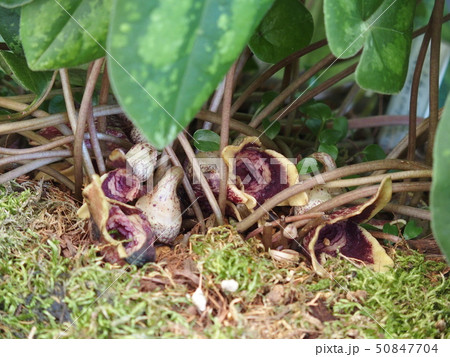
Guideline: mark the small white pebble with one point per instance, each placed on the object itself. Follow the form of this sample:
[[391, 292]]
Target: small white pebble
[[199, 300], [229, 285]]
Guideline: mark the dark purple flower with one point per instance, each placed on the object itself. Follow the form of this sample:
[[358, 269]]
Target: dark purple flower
[[341, 233], [260, 173], [125, 233], [121, 185]]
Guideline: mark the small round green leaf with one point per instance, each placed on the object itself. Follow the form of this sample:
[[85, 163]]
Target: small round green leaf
[[341, 124], [390, 229], [331, 150], [286, 28], [329, 136], [206, 140], [373, 152], [271, 128], [411, 230], [307, 165], [318, 110]]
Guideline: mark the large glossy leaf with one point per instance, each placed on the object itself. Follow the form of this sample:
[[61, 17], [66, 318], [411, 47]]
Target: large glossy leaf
[[383, 28], [9, 29], [169, 55], [440, 188], [286, 28], [64, 33], [16, 67], [13, 3]]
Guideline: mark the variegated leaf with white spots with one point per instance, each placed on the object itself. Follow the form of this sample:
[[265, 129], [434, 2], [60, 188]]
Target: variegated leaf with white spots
[[167, 56]]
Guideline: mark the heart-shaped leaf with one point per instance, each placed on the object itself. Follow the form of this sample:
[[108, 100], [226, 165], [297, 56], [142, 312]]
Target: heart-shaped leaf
[[411, 230], [9, 29], [167, 56], [13, 3], [287, 27], [383, 28], [331, 150], [206, 140], [373, 152], [16, 67], [271, 128], [440, 187], [64, 33]]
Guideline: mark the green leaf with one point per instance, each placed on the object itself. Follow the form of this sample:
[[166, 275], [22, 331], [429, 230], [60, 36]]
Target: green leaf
[[57, 104], [440, 187], [171, 55], [411, 230], [329, 149], [266, 98], [307, 165], [341, 124], [383, 28], [52, 39], [286, 28], [329, 136], [206, 140], [9, 29], [318, 110], [390, 229], [271, 128], [315, 125], [373, 152], [13, 3], [16, 67]]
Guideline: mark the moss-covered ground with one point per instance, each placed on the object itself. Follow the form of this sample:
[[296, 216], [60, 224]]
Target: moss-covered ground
[[54, 285]]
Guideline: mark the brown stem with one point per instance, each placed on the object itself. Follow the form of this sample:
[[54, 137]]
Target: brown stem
[[387, 236], [224, 136], [277, 223], [83, 156], [188, 188], [196, 169], [81, 125], [53, 144], [373, 179], [436, 26], [415, 93], [267, 236], [26, 168], [33, 106], [379, 121], [44, 120], [321, 179], [368, 191], [326, 61], [103, 98], [93, 138], [408, 211], [313, 92], [271, 71], [37, 155], [58, 176]]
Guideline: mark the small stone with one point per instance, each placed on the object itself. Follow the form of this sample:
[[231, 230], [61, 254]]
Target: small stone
[[230, 285], [276, 294], [199, 300], [441, 325]]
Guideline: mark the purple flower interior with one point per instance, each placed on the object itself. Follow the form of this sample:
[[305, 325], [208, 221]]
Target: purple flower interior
[[121, 186], [346, 237], [131, 225], [262, 175]]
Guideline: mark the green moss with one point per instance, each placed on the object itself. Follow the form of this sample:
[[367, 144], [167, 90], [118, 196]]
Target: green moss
[[44, 294], [409, 301]]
